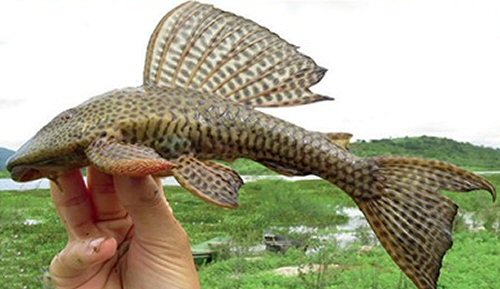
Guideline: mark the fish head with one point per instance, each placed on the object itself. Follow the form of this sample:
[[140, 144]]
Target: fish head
[[57, 147]]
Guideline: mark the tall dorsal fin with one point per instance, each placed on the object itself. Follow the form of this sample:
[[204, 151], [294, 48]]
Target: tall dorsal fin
[[200, 47]]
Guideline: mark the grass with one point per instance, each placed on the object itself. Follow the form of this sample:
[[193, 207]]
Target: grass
[[4, 174], [25, 251]]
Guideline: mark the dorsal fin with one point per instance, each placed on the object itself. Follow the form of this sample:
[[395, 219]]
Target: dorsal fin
[[341, 139], [201, 47]]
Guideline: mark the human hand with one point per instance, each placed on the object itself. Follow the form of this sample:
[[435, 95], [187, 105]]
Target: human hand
[[121, 234]]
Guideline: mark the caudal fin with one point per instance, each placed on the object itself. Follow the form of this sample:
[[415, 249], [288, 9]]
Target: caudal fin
[[399, 197]]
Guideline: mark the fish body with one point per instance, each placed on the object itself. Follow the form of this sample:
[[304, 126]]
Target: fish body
[[174, 122], [205, 72]]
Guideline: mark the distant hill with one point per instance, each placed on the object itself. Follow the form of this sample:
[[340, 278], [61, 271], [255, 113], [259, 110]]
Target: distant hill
[[466, 155], [460, 153], [4, 155]]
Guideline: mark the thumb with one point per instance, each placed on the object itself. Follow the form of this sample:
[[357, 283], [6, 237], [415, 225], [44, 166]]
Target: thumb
[[78, 258]]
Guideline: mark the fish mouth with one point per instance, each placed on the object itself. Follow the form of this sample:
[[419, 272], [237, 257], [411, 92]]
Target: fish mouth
[[24, 173]]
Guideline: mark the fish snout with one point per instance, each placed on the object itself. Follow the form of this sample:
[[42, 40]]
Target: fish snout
[[20, 164], [22, 173]]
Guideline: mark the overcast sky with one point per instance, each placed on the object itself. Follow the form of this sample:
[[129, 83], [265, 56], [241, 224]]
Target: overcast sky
[[396, 67]]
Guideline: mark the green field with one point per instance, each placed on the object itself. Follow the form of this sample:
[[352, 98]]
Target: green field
[[473, 262], [4, 174]]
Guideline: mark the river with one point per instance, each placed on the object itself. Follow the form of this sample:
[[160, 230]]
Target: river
[[10, 185]]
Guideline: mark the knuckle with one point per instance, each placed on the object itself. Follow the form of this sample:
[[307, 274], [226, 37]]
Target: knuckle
[[72, 200], [151, 197]]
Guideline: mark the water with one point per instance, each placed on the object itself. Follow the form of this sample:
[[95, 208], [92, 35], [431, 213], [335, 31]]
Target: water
[[10, 185], [342, 235], [488, 172], [348, 233]]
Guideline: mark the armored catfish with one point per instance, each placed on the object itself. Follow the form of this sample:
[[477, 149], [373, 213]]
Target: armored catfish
[[205, 72]]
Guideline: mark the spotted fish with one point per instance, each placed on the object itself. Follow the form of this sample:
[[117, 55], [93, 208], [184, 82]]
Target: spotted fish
[[205, 72]]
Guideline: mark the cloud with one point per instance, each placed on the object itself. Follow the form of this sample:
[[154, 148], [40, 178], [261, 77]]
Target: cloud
[[8, 103], [11, 144]]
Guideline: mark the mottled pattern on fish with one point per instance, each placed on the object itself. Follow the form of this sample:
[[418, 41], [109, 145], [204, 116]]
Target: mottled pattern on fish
[[205, 71]]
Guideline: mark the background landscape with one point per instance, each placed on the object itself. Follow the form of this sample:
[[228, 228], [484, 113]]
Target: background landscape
[[336, 248], [396, 68]]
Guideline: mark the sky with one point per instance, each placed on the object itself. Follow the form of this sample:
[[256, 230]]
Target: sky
[[396, 67]]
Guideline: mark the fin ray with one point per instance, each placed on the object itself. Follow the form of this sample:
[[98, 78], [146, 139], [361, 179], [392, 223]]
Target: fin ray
[[197, 46], [127, 159], [400, 199], [213, 182]]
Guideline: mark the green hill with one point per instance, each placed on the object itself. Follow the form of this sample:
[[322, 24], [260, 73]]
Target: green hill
[[4, 155], [460, 153], [466, 155]]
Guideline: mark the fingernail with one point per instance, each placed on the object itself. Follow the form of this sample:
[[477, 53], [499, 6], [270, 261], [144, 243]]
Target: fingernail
[[95, 245]]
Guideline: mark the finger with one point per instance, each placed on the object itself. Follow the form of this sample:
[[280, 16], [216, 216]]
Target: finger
[[73, 205], [79, 256], [145, 202], [102, 192]]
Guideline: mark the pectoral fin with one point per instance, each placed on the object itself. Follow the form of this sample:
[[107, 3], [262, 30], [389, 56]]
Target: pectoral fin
[[127, 159], [208, 180]]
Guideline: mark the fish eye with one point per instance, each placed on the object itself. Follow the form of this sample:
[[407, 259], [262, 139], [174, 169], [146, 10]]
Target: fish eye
[[65, 115]]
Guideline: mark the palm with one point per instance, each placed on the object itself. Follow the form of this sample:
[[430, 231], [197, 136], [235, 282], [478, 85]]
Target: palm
[[142, 245]]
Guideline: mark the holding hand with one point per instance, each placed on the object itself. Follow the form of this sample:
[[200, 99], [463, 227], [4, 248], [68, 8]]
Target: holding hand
[[121, 234]]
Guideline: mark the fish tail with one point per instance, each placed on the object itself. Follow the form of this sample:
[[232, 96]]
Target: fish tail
[[399, 197]]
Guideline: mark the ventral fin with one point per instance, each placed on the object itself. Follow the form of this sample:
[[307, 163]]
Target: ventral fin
[[208, 180], [341, 139], [200, 47], [127, 159]]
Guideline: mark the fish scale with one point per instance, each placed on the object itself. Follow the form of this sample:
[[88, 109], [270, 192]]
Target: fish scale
[[205, 72]]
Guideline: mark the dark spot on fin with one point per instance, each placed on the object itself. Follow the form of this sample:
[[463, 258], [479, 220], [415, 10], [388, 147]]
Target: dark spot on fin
[[254, 66], [399, 197]]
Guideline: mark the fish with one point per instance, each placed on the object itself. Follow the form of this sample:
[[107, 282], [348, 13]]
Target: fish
[[206, 71]]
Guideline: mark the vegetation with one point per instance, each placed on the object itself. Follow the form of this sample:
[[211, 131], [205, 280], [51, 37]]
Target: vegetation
[[26, 250], [466, 155], [463, 154], [4, 174]]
